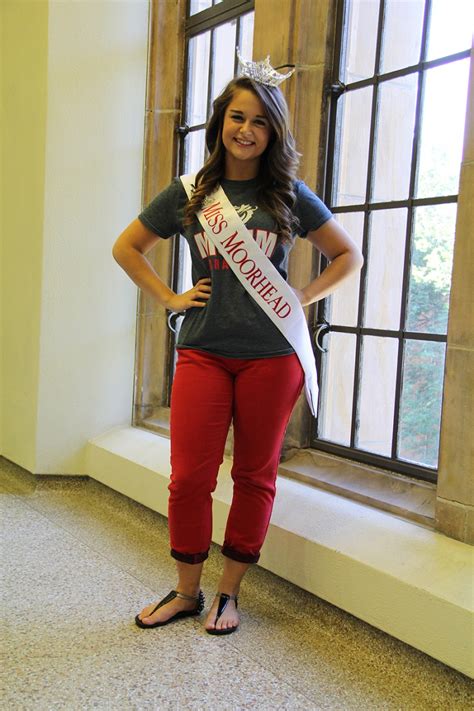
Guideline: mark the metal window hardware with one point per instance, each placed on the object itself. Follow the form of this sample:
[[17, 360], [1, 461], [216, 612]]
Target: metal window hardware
[[172, 320], [321, 327], [337, 89]]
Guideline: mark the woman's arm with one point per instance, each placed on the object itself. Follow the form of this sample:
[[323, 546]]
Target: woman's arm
[[344, 256], [129, 252]]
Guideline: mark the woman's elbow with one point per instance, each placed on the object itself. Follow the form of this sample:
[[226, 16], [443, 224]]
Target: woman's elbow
[[358, 259], [118, 252], [115, 252]]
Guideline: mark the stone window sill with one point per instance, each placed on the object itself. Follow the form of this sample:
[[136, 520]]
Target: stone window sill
[[409, 498]]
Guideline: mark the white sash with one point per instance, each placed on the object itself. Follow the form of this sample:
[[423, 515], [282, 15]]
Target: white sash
[[260, 278]]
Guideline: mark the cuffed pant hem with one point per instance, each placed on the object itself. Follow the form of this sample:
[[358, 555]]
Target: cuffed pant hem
[[230, 552], [192, 558]]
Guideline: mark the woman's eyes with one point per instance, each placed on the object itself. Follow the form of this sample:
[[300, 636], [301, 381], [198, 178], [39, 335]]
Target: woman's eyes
[[257, 122]]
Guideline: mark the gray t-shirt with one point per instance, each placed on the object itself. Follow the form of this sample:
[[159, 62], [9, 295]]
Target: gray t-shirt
[[232, 324]]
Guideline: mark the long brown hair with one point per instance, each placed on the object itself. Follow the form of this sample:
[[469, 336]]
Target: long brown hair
[[278, 164]]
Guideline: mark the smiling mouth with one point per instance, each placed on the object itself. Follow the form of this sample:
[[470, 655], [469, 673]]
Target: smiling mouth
[[244, 144]]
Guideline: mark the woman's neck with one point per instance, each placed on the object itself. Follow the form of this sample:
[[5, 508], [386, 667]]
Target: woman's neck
[[242, 170]]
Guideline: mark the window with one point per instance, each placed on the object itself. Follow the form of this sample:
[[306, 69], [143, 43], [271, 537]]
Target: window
[[196, 6], [396, 130]]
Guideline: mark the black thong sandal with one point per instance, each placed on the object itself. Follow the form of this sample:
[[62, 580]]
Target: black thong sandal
[[179, 615], [223, 602]]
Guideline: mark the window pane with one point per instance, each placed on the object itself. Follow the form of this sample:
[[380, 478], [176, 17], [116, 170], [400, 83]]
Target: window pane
[[351, 160], [336, 406], [377, 394], [450, 27], [198, 71], [361, 22], [196, 6], [246, 35], [394, 138], [194, 151], [442, 129], [430, 277], [385, 269], [344, 303], [420, 407], [185, 280], [402, 34], [224, 56]]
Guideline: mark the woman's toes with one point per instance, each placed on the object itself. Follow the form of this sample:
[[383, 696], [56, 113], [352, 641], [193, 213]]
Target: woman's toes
[[210, 623], [145, 612], [148, 617], [211, 620], [228, 619], [144, 618]]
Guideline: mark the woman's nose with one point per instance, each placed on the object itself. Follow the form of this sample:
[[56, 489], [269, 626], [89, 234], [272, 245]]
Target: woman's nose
[[245, 127]]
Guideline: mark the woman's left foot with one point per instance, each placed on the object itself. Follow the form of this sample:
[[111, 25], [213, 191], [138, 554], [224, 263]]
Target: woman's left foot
[[223, 617]]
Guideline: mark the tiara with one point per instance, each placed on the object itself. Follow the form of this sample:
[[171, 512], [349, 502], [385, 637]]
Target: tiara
[[262, 72]]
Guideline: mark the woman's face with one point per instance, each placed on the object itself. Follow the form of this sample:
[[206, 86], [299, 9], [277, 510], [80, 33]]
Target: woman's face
[[245, 134]]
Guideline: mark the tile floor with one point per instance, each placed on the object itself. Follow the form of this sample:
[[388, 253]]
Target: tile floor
[[79, 561]]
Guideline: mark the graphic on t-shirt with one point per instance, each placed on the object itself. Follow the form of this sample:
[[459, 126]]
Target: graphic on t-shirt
[[265, 239], [245, 212]]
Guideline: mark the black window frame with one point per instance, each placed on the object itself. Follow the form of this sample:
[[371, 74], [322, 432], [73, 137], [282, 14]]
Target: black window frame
[[320, 324]]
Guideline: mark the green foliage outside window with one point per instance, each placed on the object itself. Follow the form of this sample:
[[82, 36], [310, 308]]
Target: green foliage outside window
[[428, 306]]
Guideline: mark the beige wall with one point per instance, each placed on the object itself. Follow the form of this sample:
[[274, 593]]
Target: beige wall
[[24, 110], [73, 118]]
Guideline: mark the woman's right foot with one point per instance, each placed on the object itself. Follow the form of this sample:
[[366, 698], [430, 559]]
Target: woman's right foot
[[159, 614]]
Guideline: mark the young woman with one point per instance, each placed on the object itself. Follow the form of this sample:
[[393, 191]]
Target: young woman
[[234, 364]]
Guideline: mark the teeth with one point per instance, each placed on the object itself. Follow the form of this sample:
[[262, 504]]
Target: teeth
[[244, 143]]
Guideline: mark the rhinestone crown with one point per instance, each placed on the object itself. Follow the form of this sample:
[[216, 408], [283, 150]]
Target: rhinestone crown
[[262, 72]]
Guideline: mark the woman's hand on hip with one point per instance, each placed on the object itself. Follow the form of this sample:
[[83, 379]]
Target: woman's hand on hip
[[197, 296]]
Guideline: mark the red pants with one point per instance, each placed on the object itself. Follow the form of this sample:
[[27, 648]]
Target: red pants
[[210, 391]]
